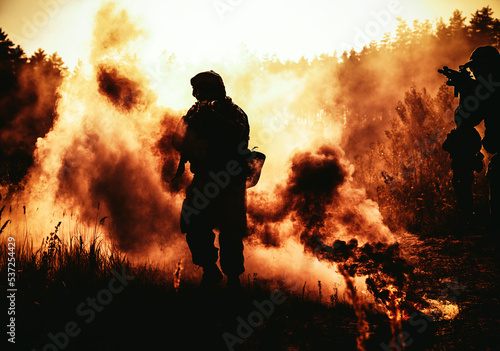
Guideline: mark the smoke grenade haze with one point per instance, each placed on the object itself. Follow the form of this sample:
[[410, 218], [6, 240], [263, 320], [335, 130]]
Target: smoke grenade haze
[[109, 154]]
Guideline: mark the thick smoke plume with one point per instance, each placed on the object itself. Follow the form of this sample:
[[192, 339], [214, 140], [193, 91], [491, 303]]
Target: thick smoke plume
[[104, 157], [122, 92], [321, 202]]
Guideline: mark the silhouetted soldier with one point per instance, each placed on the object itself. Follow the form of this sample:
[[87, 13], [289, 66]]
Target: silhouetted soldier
[[480, 100], [213, 137], [464, 146]]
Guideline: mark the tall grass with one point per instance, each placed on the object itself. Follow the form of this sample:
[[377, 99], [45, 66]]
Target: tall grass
[[73, 261]]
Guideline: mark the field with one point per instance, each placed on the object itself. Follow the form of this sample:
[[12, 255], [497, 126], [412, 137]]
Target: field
[[54, 285]]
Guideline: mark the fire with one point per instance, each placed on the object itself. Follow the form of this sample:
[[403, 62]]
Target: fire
[[177, 275], [110, 146], [395, 298], [441, 309], [395, 312]]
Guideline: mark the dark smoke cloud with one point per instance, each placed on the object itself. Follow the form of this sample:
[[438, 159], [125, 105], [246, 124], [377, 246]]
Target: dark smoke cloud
[[312, 191], [121, 91], [320, 201], [27, 112], [382, 263], [311, 188], [314, 180]]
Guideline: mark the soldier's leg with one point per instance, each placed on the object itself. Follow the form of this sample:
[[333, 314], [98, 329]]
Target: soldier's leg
[[462, 183], [233, 228], [197, 223], [494, 179], [204, 254], [201, 244]]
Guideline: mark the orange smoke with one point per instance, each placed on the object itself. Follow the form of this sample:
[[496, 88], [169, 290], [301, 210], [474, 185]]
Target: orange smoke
[[109, 154], [103, 156]]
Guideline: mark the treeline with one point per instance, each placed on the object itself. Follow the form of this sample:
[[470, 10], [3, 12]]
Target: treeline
[[28, 95]]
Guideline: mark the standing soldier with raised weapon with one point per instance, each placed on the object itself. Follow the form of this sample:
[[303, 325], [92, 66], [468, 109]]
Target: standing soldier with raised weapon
[[479, 100]]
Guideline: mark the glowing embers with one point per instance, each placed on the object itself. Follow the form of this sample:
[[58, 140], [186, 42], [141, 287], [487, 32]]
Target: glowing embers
[[393, 301], [177, 275], [441, 309]]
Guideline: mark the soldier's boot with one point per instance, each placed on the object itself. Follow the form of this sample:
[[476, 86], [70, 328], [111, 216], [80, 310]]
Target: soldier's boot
[[234, 285], [211, 277]]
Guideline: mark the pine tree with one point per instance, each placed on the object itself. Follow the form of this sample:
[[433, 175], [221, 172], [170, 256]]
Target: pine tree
[[11, 58], [482, 26]]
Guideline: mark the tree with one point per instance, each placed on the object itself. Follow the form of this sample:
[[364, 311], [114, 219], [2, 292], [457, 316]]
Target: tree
[[9, 52], [443, 32], [482, 26], [457, 23], [403, 37], [57, 63], [28, 95], [11, 58]]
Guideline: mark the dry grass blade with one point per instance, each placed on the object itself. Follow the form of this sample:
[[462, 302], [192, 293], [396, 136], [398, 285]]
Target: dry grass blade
[[4, 225]]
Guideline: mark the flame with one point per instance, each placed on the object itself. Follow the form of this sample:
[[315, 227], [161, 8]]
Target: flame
[[395, 312], [393, 303], [177, 275], [441, 309]]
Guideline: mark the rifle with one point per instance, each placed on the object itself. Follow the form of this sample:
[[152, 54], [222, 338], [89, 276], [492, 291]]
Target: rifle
[[456, 79]]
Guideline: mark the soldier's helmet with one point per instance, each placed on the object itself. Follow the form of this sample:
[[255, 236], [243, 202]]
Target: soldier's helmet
[[208, 85], [484, 55]]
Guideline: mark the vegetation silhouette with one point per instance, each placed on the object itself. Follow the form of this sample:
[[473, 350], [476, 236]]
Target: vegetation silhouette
[[28, 95]]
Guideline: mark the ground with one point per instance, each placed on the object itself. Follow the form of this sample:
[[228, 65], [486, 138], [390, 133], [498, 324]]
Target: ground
[[148, 314]]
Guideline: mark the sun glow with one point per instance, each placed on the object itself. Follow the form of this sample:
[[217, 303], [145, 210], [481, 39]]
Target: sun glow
[[198, 30]]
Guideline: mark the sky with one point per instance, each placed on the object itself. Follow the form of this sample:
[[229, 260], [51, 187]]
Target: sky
[[216, 29]]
